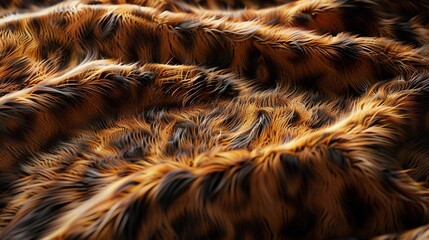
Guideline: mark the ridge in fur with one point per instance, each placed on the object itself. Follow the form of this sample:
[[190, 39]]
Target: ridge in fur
[[173, 119]]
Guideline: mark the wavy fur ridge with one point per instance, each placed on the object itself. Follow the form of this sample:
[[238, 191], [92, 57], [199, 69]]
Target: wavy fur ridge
[[214, 119]]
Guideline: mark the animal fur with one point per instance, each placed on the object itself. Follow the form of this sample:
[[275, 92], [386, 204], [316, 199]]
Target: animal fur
[[170, 119]]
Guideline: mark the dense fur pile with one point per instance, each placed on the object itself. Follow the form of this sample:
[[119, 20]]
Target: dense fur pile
[[162, 119]]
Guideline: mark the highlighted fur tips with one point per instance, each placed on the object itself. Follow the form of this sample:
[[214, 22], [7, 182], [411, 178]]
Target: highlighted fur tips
[[214, 119]]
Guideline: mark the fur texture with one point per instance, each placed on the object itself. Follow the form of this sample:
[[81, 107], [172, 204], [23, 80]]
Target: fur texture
[[170, 119]]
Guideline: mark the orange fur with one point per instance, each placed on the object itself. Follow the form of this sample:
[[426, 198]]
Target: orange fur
[[172, 119]]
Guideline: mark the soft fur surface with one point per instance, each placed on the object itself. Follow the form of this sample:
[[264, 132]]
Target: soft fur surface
[[162, 119]]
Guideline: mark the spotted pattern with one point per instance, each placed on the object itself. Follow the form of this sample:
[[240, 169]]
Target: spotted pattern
[[161, 119]]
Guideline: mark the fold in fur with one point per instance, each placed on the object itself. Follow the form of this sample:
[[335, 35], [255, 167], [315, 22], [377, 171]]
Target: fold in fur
[[172, 119]]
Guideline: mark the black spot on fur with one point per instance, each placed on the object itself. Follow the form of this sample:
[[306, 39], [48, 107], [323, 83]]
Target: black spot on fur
[[291, 164], [254, 228], [6, 187], [157, 115], [48, 47], [413, 216], [87, 33], [346, 54], [142, 14], [227, 89], [145, 78], [135, 153], [187, 41], [61, 51], [189, 226], [185, 225], [310, 81], [299, 50], [53, 141], [315, 98], [212, 185], [341, 102], [24, 126], [300, 225], [319, 118], [84, 186], [7, 50], [252, 64], [359, 17], [404, 33], [5, 3], [391, 175], [224, 5], [125, 187], [156, 235], [144, 38], [35, 24], [220, 52], [173, 185], [261, 68], [338, 158], [268, 81], [12, 26], [189, 125], [65, 57], [133, 139], [301, 19], [358, 209], [391, 179], [115, 93], [133, 218], [294, 171], [10, 107], [38, 220], [294, 117], [214, 233], [116, 79], [60, 21], [19, 64], [243, 176]]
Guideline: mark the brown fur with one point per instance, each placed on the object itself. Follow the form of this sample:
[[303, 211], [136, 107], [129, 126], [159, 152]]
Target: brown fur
[[151, 120]]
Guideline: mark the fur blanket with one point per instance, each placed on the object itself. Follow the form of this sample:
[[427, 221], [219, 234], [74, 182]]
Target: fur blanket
[[214, 119]]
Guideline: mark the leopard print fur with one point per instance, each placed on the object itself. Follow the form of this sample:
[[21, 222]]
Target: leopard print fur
[[169, 119]]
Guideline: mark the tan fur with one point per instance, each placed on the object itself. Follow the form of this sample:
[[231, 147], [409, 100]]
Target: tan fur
[[165, 120]]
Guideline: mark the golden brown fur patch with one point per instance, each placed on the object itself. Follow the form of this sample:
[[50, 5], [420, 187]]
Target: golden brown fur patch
[[169, 119]]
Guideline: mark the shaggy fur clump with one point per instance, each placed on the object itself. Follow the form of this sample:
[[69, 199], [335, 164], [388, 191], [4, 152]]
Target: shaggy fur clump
[[214, 119]]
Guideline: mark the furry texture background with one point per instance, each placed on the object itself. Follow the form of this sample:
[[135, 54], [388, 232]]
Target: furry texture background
[[161, 119]]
